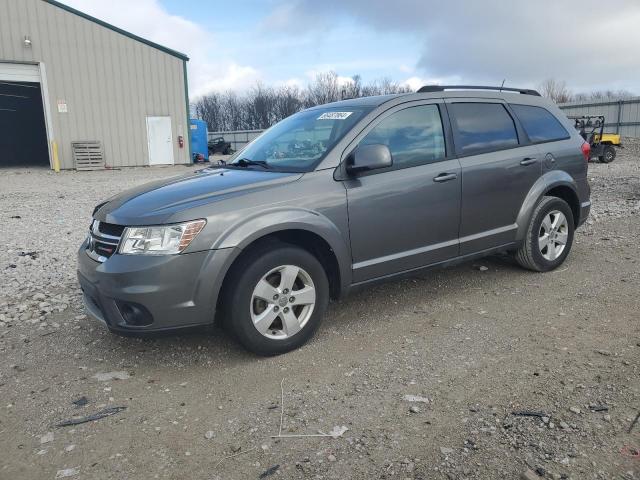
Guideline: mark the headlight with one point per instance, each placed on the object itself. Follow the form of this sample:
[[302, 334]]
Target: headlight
[[159, 240]]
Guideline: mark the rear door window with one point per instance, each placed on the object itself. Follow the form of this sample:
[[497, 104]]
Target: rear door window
[[483, 127], [539, 123]]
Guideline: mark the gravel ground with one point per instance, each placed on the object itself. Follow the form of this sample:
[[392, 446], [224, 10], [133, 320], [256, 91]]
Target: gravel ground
[[463, 373]]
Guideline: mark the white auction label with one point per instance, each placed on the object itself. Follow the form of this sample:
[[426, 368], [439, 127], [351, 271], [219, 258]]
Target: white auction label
[[334, 115]]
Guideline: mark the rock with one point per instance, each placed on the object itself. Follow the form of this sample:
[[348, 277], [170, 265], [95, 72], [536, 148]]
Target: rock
[[69, 448], [414, 409], [338, 431], [81, 402], [415, 398], [269, 471], [446, 451], [564, 425], [108, 376], [529, 475], [481, 268], [575, 410], [47, 437], [209, 434], [68, 472], [332, 458]]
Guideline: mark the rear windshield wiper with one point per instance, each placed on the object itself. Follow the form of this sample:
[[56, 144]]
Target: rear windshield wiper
[[245, 162]]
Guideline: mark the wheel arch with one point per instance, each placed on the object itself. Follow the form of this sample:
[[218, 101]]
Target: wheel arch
[[556, 183], [300, 227]]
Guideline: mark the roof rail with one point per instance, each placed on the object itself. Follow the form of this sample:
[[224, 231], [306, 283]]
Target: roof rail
[[442, 88]]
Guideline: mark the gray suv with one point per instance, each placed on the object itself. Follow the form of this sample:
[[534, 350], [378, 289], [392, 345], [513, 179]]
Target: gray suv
[[336, 197]]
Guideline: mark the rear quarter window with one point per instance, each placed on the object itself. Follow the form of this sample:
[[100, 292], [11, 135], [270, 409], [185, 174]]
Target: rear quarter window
[[539, 124], [483, 127]]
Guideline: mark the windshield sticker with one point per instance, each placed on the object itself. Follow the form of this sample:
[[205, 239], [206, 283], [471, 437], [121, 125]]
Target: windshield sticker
[[334, 115]]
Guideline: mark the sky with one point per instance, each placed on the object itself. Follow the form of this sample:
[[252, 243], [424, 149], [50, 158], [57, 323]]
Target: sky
[[232, 45]]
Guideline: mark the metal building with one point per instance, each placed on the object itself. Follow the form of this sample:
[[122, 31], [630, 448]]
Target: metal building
[[67, 77]]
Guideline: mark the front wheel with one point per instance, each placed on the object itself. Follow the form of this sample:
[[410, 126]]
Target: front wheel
[[549, 236], [275, 299]]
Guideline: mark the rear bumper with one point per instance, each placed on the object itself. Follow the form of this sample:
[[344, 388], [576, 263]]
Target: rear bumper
[[585, 209], [148, 294]]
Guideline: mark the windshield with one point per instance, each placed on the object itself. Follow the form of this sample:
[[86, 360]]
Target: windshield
[[299, 142]]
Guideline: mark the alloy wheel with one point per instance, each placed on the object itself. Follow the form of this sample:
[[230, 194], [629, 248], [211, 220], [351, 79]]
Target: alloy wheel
[[553, 235], [282, 302]]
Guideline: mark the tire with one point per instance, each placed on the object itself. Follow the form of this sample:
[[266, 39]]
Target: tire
[[267, 270], [532, 254], [608, 155]]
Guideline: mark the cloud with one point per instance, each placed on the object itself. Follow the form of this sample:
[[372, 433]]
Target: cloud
[[150, 20], [521, 41], [230, 77]]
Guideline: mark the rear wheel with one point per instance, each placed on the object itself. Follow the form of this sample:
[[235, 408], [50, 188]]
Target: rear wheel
[[549, 236], [275, 299], [608, 155]]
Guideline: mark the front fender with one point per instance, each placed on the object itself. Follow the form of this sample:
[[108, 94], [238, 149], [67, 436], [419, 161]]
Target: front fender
[[251, 228], [546, 182]]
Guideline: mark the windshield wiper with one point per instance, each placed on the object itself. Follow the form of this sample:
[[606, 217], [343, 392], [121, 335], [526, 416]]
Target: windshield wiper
[[245, 162]]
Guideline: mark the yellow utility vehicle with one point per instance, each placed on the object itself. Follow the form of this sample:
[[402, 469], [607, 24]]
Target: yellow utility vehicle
[[603, 145]]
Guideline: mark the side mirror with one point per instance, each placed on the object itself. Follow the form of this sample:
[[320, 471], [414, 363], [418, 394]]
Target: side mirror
[[369, 157]]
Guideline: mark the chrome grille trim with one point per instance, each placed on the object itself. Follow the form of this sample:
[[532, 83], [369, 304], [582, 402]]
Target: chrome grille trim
[[100, 243]]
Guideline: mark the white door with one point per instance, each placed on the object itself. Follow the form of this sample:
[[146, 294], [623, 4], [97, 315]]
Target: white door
[[160, 140]]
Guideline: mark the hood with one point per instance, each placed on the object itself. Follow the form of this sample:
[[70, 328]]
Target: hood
[[162, 201]]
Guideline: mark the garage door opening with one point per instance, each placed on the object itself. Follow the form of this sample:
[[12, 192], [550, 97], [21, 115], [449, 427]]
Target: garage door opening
[[23, 135]]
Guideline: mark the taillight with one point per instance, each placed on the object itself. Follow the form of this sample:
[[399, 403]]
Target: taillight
[[586, 151]]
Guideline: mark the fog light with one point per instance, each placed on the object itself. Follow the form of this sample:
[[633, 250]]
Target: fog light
[[135, 314]]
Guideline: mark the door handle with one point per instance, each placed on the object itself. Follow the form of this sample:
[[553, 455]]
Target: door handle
[[445, 177], [528, 161]]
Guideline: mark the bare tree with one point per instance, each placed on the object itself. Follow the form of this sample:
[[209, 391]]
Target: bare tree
[[556, 90], [603, 95], [263, 106]]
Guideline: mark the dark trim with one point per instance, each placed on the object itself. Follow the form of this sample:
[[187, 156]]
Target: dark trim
[[117, 30], [442, 264], [186, 98]]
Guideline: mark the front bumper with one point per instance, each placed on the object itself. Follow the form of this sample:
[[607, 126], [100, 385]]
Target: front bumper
[[167, 291]]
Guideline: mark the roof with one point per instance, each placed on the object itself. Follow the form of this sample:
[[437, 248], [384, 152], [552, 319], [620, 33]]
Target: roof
[[394, 99], [164, 49]]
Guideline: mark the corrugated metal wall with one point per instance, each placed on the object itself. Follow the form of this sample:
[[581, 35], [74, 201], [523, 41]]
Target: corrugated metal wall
[[110, 82], [621, 116]]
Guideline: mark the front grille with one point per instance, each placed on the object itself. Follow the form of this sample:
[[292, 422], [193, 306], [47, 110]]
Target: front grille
[[110, 229], [104, 239]]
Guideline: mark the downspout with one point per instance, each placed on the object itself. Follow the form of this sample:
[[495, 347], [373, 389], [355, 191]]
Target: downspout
[[186, 96], [619, 116]]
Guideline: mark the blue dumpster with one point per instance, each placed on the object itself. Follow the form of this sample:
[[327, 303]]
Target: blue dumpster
[[199, 139]]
